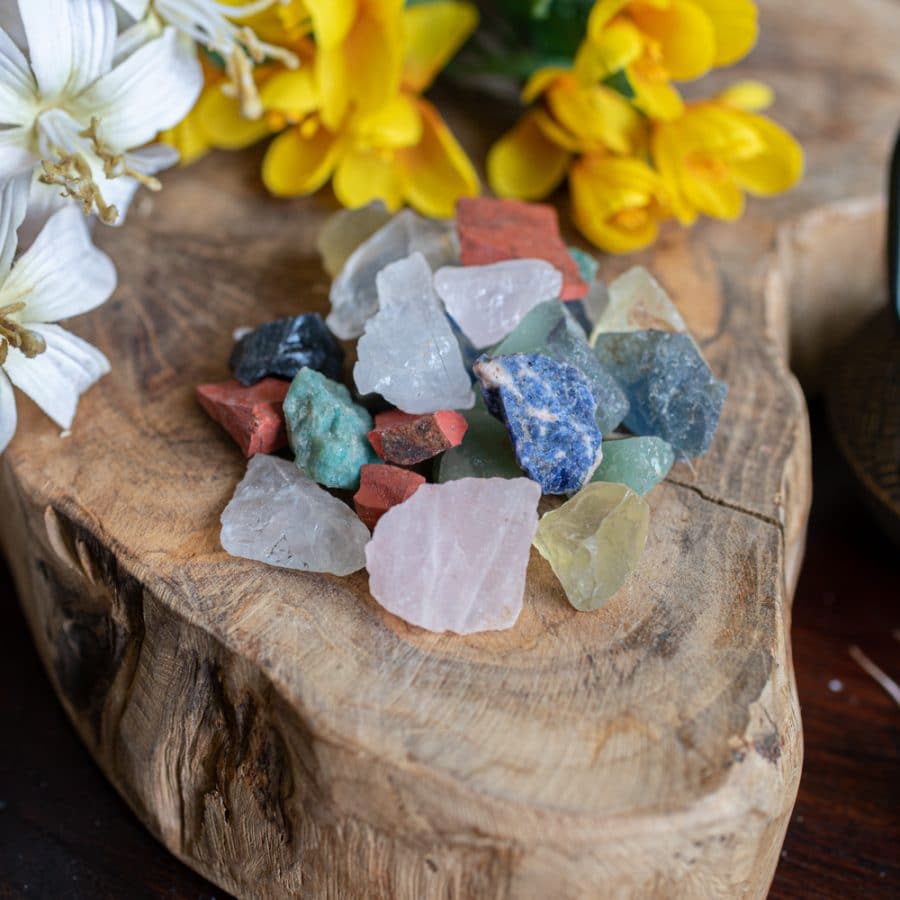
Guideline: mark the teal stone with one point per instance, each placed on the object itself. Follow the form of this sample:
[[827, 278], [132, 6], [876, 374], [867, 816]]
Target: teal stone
[[485, 452], [638, 462], [550, 329], [327, 431], [587, 265]]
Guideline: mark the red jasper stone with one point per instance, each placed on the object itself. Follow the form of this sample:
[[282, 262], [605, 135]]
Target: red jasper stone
[[491, 230], [407, 439], [380, 488], [253, 416]]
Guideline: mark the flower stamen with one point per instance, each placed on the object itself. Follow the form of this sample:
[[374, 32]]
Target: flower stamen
[[73, 174], [114, 164], [14, 334]]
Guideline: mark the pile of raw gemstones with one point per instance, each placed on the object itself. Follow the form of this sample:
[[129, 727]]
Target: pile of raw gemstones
[[492, 369]]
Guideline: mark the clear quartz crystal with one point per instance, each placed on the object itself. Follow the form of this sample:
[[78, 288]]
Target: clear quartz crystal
[[409, 353], [354, 296], [346, 230], [488, 302], [454, 556], [278, 516], [638, 302]]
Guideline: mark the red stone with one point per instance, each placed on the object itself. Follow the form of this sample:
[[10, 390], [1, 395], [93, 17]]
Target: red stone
[[407, 439], [253, 416], [380, 488], [491, 230]]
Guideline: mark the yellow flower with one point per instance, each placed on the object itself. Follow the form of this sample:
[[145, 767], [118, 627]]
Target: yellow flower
[[659, 41], [719, 149]]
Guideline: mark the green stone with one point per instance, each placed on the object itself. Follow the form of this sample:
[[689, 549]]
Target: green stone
[[485, 451], [327, 430], [594, 541], [587, 265], [639, 462]]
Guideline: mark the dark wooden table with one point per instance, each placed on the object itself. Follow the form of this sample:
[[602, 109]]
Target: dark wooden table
[[64, 833]]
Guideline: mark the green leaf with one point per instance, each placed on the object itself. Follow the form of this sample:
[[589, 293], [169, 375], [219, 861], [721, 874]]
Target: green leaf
[[619, 82]]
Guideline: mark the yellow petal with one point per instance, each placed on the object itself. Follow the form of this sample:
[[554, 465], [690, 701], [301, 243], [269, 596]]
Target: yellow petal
[[396, 124], [366, 175], [333, 84], [615, 47], [524, 163], [667, 154], [601, 15], [658, 99], [555, 133], [736, 26], [295, 164], [291, 92], [437, 172], [225, 127], [684, 34], [332, 20], [541, 81], [777, 168], [434, 32], [751, 96]]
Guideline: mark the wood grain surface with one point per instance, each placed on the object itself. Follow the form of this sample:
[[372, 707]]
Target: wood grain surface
[[284, 735]]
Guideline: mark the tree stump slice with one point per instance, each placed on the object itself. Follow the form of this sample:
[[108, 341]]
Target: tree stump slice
[[284, 735]]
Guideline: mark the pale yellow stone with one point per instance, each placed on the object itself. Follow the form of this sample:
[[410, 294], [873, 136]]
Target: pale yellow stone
[[638, 302], [594, 541]]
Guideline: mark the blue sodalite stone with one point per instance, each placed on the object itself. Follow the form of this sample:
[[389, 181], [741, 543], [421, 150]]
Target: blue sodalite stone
[[549, 410], [283, 347], [672, 391]]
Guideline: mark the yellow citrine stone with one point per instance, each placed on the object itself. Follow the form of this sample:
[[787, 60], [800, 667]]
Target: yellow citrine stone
[[594, 541]]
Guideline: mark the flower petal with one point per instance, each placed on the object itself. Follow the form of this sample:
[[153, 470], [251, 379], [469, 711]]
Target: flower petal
[[292, 92], [658, 99], [601, 14], [396, 124], [13, 206], [541, 81], [221, 123], [434, 32], [736, 27], [685, 36], [366, 175], [524, 163], [18, 90], [62, 274], [70, 42], [151, 90], [437, 171], [616, 46], [777, 168], [56, 378], [8, 417], [751, 96], [332, 20], [295, 164]]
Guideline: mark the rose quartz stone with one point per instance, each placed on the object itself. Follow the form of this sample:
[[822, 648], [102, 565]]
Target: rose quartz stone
[[454, 556]]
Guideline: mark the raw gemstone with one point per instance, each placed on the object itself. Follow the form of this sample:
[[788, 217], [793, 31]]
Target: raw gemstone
[[327, 430], [549, 329], [283, 347], [486, 451], [487, 302], [454, 556], [639, 462], [380, 488], [587, 265], [469, 352], [595, 302], [346, 230], [549, 411], [638, 302], [408, 353], [594, 541], [269, 519], [354, 296], [407, 439], [671, 389], [251, 415], [492, 230]]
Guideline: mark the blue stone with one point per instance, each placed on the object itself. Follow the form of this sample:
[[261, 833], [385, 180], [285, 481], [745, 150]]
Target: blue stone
[[283, 347], [550, 412], [672, 391], [550, 329], [578, 312]]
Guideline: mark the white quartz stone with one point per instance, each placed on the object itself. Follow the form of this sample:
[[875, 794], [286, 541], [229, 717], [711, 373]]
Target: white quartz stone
[[354, 298], [638, 302], [488, 302], [408, 353], [454, 556], [346, 230], [278, 516]]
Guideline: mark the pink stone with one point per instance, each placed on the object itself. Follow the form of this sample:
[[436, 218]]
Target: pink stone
[[382, 487], [407, 439], [454, 556], [251, 415], [492, 230]]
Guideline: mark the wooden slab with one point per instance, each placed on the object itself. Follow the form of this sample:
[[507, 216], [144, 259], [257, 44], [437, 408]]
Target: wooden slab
[[284, 735]]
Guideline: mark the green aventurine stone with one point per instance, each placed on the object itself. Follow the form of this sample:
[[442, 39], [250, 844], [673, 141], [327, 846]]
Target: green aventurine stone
[[327, 430], [594, 541], [587, 265], [485, 451], [639, 462]]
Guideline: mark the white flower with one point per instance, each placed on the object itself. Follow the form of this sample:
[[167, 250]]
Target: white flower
[[79, 106], [62, 274], [211, 25]]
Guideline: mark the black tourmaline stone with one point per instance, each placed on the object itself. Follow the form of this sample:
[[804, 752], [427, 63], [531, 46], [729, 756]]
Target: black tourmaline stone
[[283, 347]]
